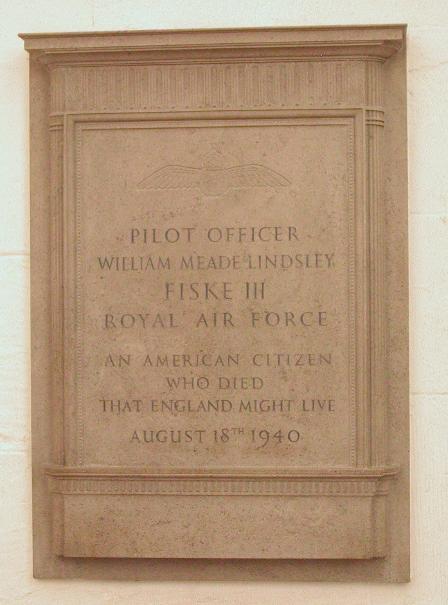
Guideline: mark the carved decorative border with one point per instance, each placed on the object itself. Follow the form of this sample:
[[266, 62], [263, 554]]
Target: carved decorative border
[[211, 487]]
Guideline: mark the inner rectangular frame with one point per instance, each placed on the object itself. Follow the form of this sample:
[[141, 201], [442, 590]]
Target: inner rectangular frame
[[360, 258]]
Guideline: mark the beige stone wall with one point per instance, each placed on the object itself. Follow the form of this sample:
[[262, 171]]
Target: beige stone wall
[[428, 200]]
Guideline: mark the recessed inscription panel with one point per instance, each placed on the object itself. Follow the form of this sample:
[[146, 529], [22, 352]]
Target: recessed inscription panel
[[213, 320]]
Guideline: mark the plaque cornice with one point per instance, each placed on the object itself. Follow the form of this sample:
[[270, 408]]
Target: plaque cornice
[[374, 42]]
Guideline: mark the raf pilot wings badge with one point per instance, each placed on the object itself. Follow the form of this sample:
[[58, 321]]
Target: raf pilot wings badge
[[213, 179]]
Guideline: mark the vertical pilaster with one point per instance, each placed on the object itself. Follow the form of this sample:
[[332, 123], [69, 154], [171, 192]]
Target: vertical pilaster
[[375, 202], [56, 260]]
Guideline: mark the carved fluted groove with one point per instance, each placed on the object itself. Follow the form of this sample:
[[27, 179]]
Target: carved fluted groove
[[374, 83], [220, 86]]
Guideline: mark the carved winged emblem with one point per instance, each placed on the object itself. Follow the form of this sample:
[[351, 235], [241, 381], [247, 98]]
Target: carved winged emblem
[[211, 178]]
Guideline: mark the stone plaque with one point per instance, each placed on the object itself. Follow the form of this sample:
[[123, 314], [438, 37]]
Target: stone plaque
[[219, 304]]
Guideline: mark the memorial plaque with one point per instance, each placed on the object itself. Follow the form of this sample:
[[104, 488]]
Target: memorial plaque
[[219, 304]]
